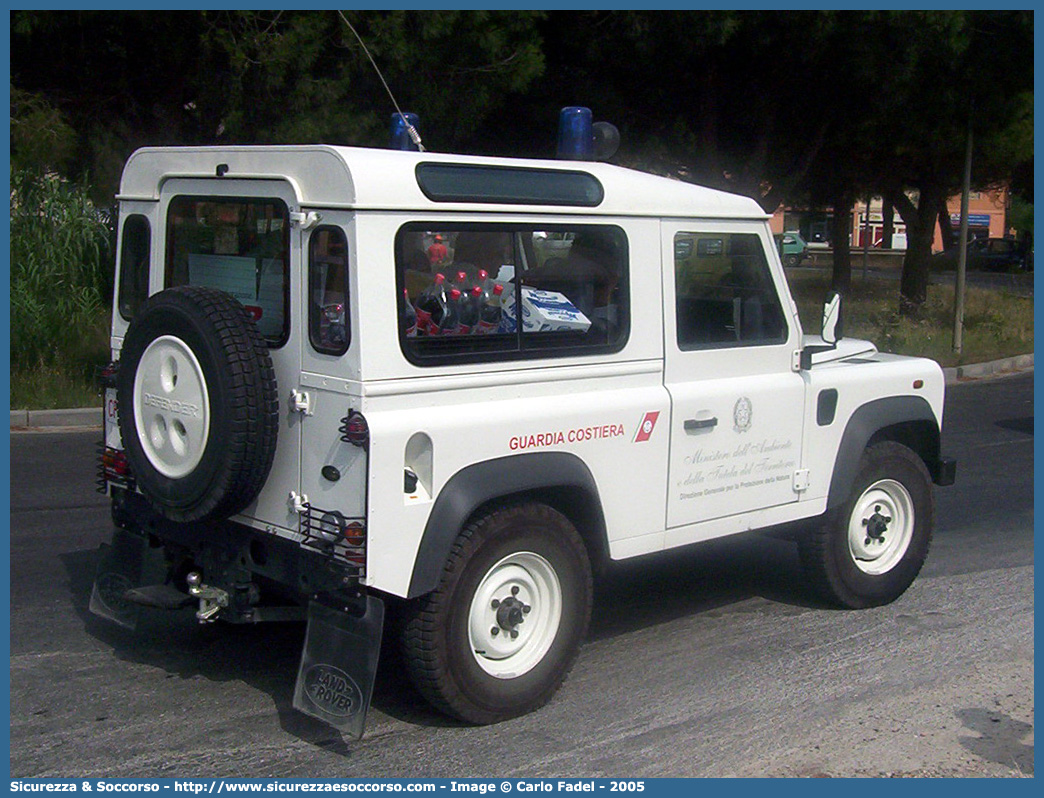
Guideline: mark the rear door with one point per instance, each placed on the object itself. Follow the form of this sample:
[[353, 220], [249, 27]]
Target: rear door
[[737, 402], [237, 235], [333, 470]]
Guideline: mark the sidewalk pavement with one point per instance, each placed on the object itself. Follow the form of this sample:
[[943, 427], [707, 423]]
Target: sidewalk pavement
[[90, 417]]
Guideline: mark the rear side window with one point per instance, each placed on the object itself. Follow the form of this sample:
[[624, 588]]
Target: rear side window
[[471, 293], [134, 265], [241, 246], [328, 328], [725, 294]]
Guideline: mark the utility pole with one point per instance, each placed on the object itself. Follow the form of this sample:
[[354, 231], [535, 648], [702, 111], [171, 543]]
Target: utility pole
[[867, 234], [962, 251]]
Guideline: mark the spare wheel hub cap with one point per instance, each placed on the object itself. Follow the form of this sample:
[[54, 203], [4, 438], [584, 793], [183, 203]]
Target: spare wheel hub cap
[[171, 407]]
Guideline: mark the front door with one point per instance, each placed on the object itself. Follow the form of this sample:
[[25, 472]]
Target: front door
[[237, 236], [736, 401]]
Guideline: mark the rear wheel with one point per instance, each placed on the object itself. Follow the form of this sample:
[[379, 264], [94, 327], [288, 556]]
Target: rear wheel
[[501, 632], [870, 550]]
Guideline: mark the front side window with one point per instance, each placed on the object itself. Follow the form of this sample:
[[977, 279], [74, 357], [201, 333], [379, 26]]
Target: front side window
[[475, 292], [238, 245], [725, 294], [134, 265], [328, 329]]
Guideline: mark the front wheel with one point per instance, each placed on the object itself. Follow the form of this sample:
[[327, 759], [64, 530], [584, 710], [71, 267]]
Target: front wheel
[[869, 551], [501, 632]]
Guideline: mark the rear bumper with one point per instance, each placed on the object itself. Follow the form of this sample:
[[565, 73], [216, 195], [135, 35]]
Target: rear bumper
[[301, 569]]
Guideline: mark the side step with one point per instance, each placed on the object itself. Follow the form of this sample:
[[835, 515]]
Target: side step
[[123, 565]]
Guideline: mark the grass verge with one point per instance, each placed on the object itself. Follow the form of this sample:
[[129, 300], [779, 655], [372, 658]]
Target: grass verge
[[64, 380], [997, 323]]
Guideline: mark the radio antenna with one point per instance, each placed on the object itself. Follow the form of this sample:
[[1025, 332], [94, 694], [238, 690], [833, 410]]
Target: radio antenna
[[414, 135]]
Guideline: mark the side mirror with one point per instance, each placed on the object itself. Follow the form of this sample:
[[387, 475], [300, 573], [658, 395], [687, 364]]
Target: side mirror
[[832, 319], [831, 330]]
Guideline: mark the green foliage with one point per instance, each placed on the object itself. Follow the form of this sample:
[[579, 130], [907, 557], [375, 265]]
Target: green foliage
[[56, 387], [1021, 215], [786, 105], [777, 105], [41, 137], [997, 323], [60, 276], [293, 77]]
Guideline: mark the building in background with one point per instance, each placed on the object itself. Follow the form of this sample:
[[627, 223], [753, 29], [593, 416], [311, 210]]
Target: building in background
[[987, 218]]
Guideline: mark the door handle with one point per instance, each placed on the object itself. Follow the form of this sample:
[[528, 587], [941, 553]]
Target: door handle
[[694, 424]]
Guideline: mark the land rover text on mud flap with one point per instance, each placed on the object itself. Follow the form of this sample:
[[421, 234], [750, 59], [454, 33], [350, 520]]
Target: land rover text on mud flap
[[345, 379]]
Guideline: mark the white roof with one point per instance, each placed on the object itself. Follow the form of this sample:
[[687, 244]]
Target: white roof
[[355, 177]]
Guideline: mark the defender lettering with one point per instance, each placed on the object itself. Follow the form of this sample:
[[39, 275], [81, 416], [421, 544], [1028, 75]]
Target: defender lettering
[[170, 405]]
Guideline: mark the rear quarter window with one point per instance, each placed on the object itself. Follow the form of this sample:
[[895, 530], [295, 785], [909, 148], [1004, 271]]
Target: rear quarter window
[[134, 264], [471, 293], [329, 331]]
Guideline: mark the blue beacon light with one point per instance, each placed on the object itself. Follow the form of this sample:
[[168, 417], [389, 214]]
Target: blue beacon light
[[400, 134], [575, 136]]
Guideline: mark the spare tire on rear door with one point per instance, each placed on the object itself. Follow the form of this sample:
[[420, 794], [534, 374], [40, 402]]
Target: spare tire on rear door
[[198, 405]]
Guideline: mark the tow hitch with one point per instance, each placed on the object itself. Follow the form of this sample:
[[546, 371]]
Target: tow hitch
[[211, 599]]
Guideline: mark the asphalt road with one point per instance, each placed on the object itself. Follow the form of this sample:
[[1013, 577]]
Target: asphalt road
[[707, 662]]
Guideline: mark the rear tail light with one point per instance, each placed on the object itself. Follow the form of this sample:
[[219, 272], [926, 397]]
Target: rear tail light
[[354, 533], [354, 429], [113, 468], [107, 375], [335, 535], [115, 463]]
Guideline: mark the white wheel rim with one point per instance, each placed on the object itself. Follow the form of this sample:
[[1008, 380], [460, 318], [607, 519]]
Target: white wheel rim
[[171, 407], [521, 598], [881, 527]]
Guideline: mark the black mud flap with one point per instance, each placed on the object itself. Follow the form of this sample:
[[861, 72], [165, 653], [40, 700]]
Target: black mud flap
[[338, 665], [121, 567]]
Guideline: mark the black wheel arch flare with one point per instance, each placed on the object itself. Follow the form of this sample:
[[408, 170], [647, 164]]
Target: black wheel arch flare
[[560, 479], [908, 420]]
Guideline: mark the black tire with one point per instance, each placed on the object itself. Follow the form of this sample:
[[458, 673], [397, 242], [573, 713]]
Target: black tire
[[873, 568], [791, 261], [232, 429], [437, 643]]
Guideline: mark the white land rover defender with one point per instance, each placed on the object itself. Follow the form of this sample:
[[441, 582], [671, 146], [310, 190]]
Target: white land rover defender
[[348, 378]]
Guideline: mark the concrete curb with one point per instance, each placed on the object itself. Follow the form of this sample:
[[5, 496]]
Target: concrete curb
[[88, 417], [995, 368], [76, 418]]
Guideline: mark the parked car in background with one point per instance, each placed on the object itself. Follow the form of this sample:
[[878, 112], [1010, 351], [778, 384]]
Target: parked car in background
[[984, 254], [792, 247]]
